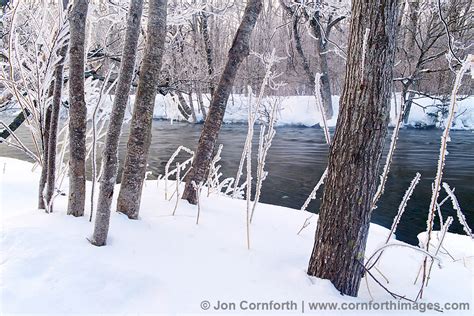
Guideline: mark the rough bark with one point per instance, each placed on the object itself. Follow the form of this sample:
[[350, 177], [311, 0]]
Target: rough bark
[[77, 109], [237, 53], [110, 155], [354, 157], [140, 131]]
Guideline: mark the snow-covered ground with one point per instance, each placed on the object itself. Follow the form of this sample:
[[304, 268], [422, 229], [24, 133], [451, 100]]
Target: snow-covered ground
[[302, 111], [168, 264]]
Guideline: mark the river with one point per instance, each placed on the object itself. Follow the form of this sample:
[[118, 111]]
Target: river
[[298, 157]]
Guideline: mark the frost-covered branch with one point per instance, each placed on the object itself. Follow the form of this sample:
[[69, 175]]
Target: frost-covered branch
[[457, 208], [445, 138]]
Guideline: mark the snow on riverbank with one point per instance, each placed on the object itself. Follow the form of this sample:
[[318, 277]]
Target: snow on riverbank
[[302, 111], [168, 264]]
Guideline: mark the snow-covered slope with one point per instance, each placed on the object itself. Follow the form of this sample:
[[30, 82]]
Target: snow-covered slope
[[168, 264]]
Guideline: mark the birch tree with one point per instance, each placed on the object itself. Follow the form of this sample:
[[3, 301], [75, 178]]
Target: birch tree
[[354, 156], [238, 52], [140, 130], [77, 110], [110, 155]]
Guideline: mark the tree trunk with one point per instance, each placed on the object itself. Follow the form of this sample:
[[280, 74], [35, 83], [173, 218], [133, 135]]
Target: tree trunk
[[208, 48], [321, 52], [183, 106], [191, 104], [201, 103], [77, 109], [110, 155], [140, 130], [53, 126], [44, 169], [237, 53], [299, 49], [325, 82], [354, 157], [409, 43]]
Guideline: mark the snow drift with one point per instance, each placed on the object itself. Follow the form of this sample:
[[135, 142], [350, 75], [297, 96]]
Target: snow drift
[[168, 264]]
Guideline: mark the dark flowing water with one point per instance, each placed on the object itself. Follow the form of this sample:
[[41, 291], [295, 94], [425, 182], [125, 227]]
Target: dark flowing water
[[298, 158]]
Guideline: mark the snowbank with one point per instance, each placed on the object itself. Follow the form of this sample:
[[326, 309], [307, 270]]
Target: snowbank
[[168, 264], [302, 111]]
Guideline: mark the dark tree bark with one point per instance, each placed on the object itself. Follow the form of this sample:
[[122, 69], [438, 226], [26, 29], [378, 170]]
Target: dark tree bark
[[77, 109], [354, 156], [183, 106], [237, 53], [299, 49], [208, 48], [15, 124], [321, 31], [321, 52], [50, 163], [201, 103], [44, 169], [409, 43], [140, 130], [110, 155], [53, 126]]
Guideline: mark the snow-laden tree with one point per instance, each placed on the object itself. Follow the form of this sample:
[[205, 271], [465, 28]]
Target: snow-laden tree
[[239, 51]]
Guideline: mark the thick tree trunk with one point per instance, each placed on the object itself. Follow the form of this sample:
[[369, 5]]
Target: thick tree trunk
[[77, 109], [110, 155], [354, 157], [238, 52], [140, 130]]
